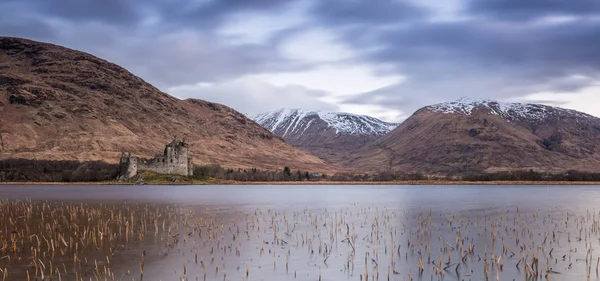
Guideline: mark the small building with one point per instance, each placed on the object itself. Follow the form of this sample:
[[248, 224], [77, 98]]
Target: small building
[[175, 160]]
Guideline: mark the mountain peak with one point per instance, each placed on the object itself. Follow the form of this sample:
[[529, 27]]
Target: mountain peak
[[470, 135], [521, 111], [291, 119], [329, 135]]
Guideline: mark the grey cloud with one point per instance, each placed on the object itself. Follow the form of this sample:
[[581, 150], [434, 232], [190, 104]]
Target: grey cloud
[[494, 44], [549, 102], [372, 12], [184, 47], [480, 58], [166, 55], [251, 96], [181, 58], [207, 15], [176, 14], [419, 91], [114, 11], [532, 9], [498, 53], [27, 29], [220, 7]]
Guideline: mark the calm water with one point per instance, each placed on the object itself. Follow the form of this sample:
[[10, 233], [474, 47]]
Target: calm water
[[307, 232]]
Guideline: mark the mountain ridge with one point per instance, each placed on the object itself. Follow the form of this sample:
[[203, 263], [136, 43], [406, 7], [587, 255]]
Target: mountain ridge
[[487, 136], [62, 104], [329, 135], [513, 110]]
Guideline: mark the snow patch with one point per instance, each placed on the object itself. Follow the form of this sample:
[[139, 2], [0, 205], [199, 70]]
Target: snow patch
[[289, 121], [505, 110]]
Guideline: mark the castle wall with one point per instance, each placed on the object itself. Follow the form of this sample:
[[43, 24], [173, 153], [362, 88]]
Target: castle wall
[[174, 161], [128, 166], [173, 166]]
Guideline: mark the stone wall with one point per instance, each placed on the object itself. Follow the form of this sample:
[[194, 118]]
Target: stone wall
[[174, 161], [162, 165], [128, 166]]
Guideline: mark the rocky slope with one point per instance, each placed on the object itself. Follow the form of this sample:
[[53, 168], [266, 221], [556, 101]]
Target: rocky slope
[[483, 135], [57, 103], [328, 135]]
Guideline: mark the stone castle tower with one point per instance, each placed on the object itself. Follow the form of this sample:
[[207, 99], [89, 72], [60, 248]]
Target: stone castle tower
[[174, 161]]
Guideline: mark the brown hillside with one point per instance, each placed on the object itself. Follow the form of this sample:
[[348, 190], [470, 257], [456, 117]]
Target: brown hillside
[[57, 103], [476, 136]]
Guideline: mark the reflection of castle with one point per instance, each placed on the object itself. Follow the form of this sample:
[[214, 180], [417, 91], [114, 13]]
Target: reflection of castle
[[173, 161]]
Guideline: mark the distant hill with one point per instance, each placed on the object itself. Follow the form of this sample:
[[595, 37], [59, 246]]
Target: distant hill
[[61, 104], [486, 136], [328, 135]]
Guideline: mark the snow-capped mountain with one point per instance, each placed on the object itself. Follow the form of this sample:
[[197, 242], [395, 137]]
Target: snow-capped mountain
[[329, 135], [508, 111], [297, 121], [470, 135]]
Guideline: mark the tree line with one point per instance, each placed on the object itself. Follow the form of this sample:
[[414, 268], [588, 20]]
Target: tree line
[[27, 170], [530, 175], [253, 175]]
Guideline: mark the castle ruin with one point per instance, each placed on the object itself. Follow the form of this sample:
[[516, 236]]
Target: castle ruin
[[173, 161]]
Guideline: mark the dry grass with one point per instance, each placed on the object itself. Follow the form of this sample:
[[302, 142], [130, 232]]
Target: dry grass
[[78, 241]]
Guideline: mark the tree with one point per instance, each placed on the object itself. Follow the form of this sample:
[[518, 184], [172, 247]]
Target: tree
[[287, 172]]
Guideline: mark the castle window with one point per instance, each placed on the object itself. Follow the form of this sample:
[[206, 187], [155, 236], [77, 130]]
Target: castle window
[[171, 160], [163, 161]]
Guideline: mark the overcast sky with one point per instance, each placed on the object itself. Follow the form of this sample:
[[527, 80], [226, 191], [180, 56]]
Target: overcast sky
[[384, 58]]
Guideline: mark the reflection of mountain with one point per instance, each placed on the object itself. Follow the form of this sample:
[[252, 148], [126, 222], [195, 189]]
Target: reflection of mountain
[[57, 103], [482, 135], [329, 135]]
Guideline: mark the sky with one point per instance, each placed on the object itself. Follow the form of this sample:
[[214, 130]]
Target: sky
[[384, 58]]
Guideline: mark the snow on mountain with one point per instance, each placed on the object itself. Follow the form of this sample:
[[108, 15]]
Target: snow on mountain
[[294, 121], [330, 136], [533, 112]]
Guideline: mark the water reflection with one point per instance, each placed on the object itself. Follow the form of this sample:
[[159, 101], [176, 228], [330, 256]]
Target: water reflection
[[299, 232]]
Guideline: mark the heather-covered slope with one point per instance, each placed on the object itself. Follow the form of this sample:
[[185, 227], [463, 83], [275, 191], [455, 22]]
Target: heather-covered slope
[[58, 103], [482, 135]]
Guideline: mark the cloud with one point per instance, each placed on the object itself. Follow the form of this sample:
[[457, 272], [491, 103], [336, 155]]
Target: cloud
[[531, 9], [165, 54], [494, 45], [480, 58], [584, 100], [337, 80], [16, 24], [116, 11], [380, 57], [190, 57], [414, 93], [367, 13], [314, 46], [252, 95], [28, 29]]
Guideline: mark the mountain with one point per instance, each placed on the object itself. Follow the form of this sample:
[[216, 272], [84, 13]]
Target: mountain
[[329, 135], [486, 136], [58, 104]]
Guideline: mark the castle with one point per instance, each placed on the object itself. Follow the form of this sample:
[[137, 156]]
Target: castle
[[174, 160]]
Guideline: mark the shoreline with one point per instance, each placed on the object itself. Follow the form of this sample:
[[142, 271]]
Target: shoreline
[[224, 183]]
